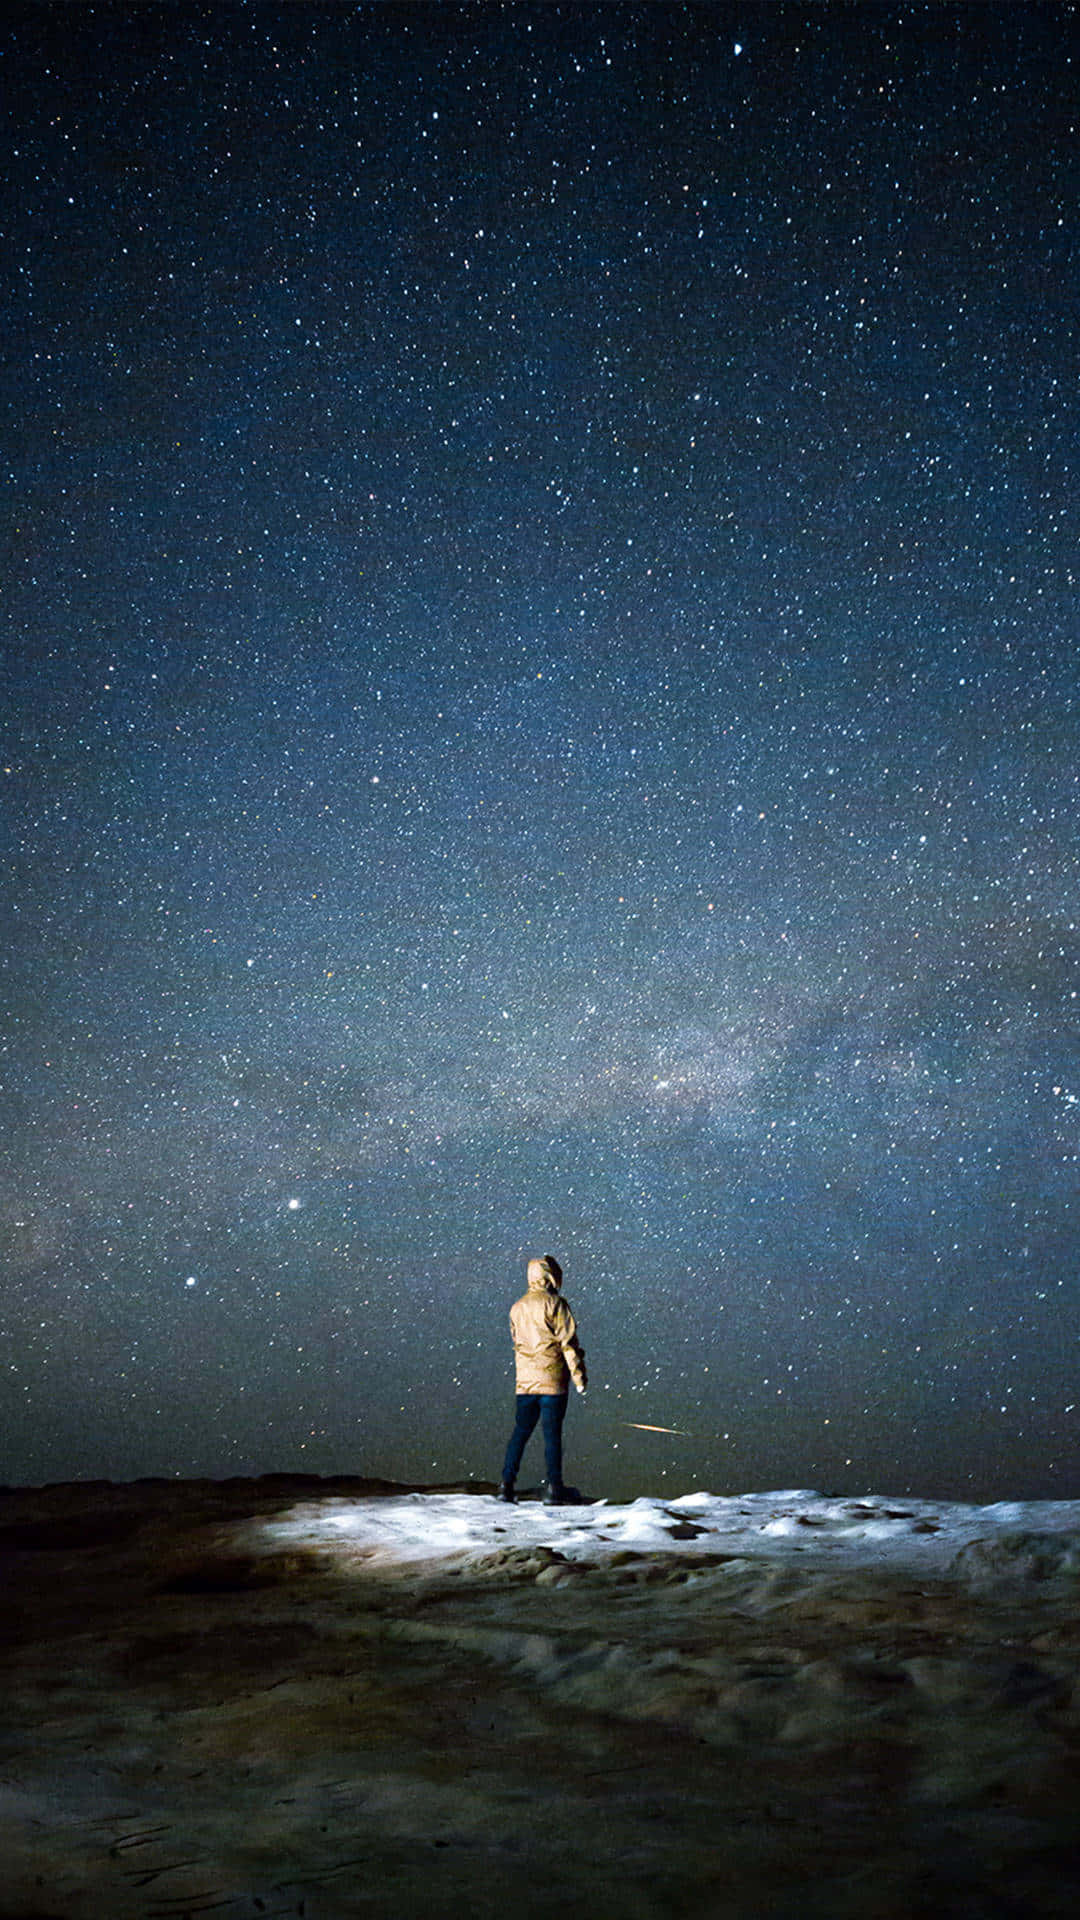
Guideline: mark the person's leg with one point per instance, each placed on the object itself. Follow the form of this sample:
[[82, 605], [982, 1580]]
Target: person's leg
[[553, 1412], [528, 1413]]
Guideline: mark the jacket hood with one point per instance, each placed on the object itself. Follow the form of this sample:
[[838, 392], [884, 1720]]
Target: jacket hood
[[544, 1272]]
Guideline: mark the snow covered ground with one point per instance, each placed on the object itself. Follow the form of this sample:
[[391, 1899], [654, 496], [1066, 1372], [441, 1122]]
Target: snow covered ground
[[463, 1529], [338, 1699]]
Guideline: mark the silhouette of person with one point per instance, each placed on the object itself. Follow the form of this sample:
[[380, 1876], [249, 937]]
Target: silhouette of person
[[547, 1356]]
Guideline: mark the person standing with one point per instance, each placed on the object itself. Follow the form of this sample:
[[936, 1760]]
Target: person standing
[[547, 1356]]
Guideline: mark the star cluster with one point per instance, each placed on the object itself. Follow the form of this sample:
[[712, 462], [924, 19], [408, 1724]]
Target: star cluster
[[541, 715]]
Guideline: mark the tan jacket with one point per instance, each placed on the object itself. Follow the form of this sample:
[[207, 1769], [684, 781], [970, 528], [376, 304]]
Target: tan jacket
[[547, 1351]]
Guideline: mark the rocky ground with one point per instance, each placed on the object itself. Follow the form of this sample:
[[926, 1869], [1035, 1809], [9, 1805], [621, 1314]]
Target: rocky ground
[[208, 1708]]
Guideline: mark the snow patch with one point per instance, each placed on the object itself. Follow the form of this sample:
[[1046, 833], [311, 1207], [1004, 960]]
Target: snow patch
[[1037, 1539]]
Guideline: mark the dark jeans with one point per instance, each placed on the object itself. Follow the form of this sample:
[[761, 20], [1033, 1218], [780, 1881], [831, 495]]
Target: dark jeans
[[531, 1407]]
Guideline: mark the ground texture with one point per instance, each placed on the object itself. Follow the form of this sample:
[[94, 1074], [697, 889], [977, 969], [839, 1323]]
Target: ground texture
[[207, 1709]]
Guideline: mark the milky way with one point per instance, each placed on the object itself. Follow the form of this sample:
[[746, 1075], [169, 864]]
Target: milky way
[[540, 716]]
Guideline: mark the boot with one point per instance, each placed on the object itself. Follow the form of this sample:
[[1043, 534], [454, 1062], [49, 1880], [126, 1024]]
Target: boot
[[506, 1491], [554, 1494]]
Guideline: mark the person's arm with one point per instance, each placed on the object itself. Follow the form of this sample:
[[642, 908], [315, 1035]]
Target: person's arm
[[573, 1351]]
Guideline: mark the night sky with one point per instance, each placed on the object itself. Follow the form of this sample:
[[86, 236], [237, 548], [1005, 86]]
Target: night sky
[[540, 705]]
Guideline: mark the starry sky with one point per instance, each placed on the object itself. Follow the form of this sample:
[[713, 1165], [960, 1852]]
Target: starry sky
[[540, 715]]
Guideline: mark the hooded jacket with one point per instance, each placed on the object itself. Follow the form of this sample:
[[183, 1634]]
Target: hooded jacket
[[547, 1351]]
